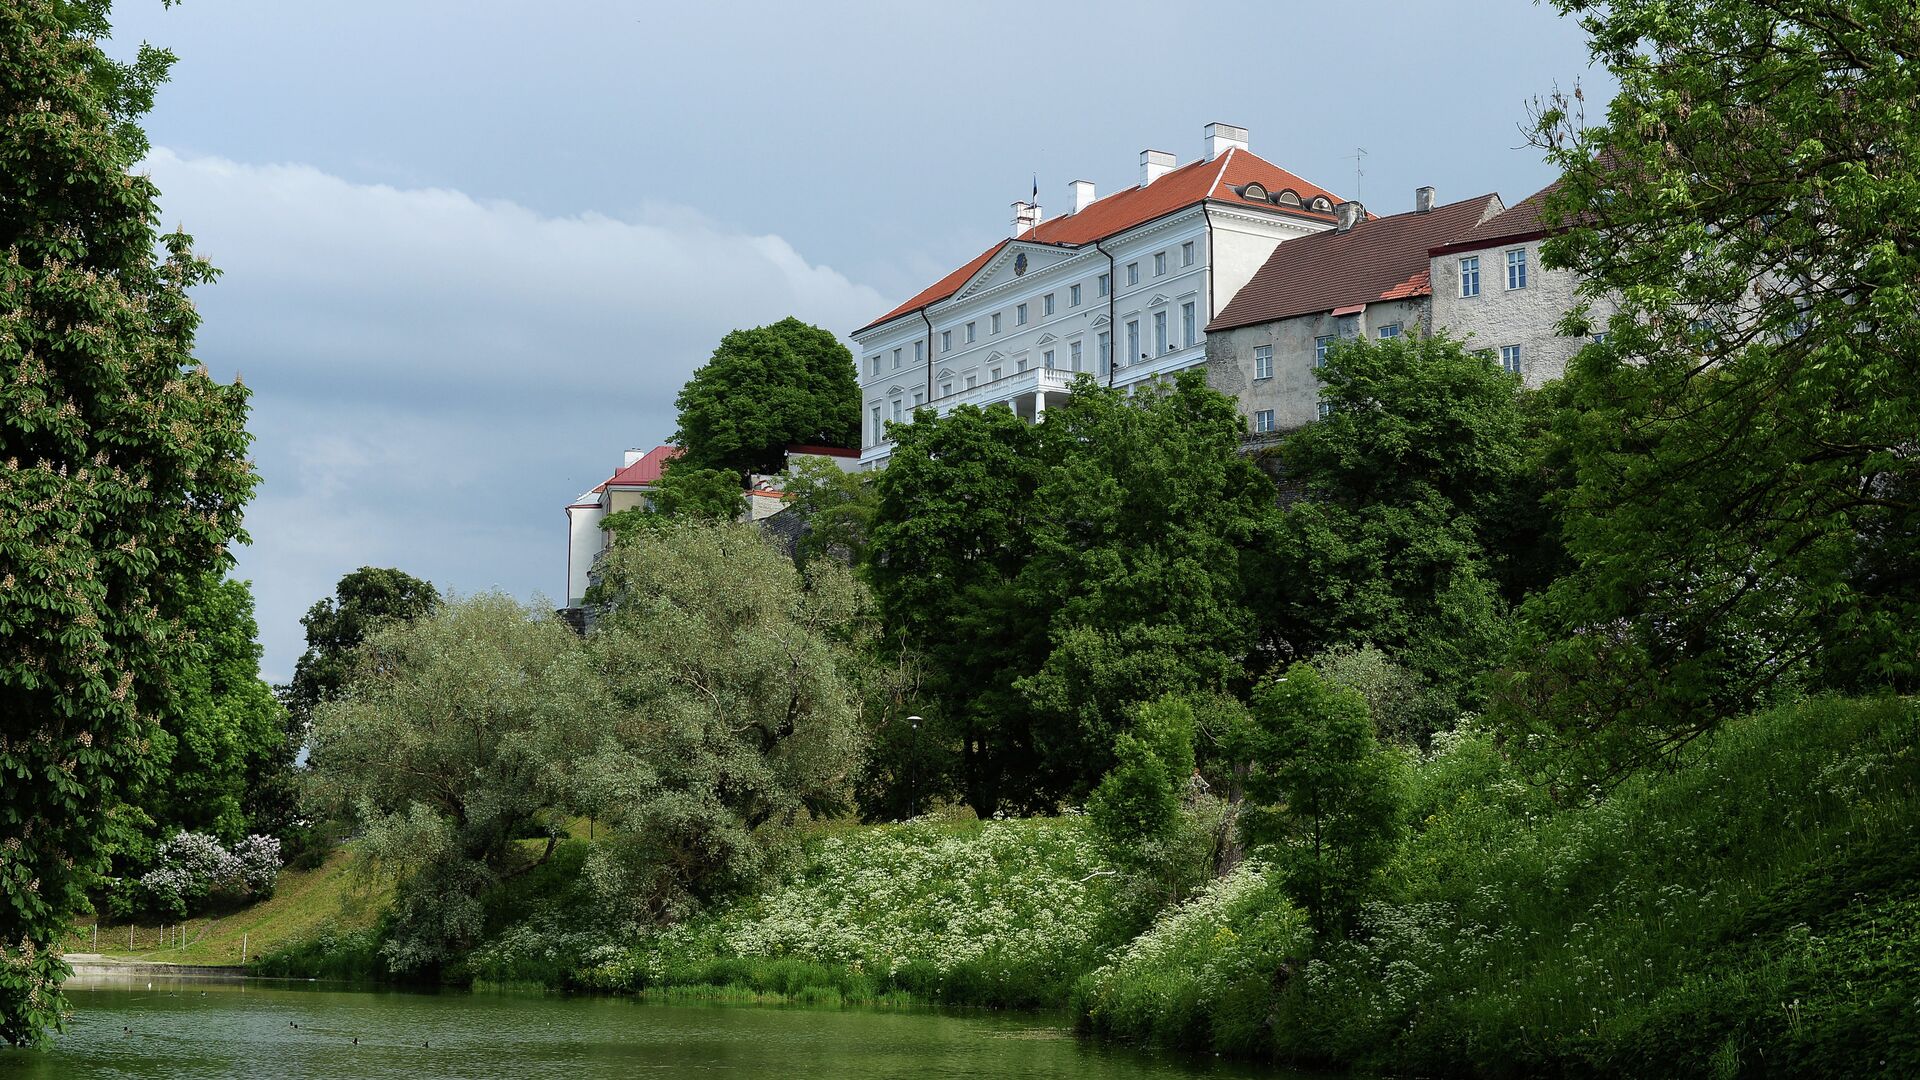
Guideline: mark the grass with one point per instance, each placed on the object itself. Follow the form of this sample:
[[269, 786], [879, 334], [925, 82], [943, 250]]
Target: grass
[[305, 905]]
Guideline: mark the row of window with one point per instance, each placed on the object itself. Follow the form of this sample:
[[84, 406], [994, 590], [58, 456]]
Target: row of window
[[1516, 272], [1102, 286]]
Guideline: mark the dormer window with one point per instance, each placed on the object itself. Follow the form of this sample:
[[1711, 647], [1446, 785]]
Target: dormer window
[[1255, 191], [1286, 198], [1321, 204]]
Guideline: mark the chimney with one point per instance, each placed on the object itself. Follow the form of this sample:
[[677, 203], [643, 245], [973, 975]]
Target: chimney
[[631, 456], [1025, 216], [1224, 137], [1154, 164], [1348, 214], [1422, 200], [1082, 194]]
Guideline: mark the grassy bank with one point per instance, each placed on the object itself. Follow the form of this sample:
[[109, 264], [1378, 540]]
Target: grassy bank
[[1751, 913], [306, 906]]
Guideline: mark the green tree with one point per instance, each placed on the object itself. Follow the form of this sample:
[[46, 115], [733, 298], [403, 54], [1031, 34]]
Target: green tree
[[1138, 801], [1148, 525], [122, 471], [836, 508], [725, 714], [1747, 499], [950, 535], [1405, 526], [362, 602], [436, 755], [1326, 800], [683, 494], [764, 389]]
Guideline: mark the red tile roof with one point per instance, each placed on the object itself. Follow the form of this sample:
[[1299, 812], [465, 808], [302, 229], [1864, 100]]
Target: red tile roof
[[1219, 180], [646, 471], [1379, 259]]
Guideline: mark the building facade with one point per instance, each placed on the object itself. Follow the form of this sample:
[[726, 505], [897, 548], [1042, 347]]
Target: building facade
[[1120, 288]]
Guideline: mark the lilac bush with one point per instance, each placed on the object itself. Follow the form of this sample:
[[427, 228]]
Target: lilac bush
[[194, 866]]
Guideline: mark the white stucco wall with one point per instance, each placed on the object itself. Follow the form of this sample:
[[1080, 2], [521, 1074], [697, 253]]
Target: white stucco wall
[[585, 541], [1293, 391], [1501, 316]]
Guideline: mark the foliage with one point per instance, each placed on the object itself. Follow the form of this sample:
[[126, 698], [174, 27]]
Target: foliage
[[122, 471], [1405, 709], [1404, 536], [763, 390], [949, 537], [436, 755], [362, 602], [1747, 495], [837, 507], [987, 913], [698, 494], [1206, 973], [1138, 802], [191, 868], [1326, 799], [720, 714]]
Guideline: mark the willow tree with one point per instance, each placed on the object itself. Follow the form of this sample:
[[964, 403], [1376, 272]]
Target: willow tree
[[122, 469]]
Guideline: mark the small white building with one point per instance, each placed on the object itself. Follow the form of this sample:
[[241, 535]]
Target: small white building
[[1120, 287], [638, 475]]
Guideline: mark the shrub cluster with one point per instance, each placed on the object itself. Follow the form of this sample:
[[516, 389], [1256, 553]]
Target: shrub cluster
[[194, 868]]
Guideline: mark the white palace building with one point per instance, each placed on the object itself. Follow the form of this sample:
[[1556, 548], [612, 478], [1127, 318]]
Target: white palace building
[[1121, 287]]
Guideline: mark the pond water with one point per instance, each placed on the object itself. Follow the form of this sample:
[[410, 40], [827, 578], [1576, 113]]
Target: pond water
[[244, 1028]]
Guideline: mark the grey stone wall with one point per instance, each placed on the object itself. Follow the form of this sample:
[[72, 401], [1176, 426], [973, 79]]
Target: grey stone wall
[[1293, 391]]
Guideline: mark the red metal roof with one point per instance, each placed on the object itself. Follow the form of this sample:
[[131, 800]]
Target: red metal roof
[[1219, 180], [826, 451], [646, 471], [1378, 259]]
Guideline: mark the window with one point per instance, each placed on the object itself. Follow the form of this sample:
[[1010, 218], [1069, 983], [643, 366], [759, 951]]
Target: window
[[873, 365], [919, 352], [994, 375], [1020, 315], [946, 389], [1391, 330], [1159, 332], [1517, 268], [1186, 253], [1105, 285], [896, 359], [919, 398], [1133, 273], [1263, 420], [1160, 264], [972, 332], [1510, 358], [1133, 341], [1320, 347], [1020, 365], [1073, 355], [994, 325], [1046, 304], [1325, 409], [1187, 328], [1046, 359], [1470, 276], [946, 341], [896, 410], [1263, 361], [879, 428], [1073, 296], [1105, 351], [972, 381], [1600, 338]]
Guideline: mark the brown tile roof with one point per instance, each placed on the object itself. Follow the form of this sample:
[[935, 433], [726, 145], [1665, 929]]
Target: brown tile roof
[[1219, 180], [1379, 259], [1524, 220]]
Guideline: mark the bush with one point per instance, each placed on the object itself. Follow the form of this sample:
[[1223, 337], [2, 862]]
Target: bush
[[194, 869]]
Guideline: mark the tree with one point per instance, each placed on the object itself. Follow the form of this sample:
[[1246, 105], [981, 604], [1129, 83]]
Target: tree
[[950, 535], [122, 471], [1747, 496], [1326, 800], [1150, 523], [835, 507], [1138, 801], [764, 389], [362, 602], [724, 718], [436, 755], [1411, 494]]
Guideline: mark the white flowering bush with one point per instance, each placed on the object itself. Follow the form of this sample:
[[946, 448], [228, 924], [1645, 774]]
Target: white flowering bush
[[997, 912], [194, 867]]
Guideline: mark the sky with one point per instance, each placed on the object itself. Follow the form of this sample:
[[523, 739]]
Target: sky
[[471, 250]]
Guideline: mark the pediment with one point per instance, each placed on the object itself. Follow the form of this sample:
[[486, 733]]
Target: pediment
[[1009, 264], [946, 373], [1045, 339], [995, 355], [1101, 320], [1159, 300], [896, 388]]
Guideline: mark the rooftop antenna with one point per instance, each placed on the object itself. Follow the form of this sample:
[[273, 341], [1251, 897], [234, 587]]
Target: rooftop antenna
[[1359, 157]]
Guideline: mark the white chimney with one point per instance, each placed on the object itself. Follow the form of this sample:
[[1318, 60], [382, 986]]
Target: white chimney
[[1154, 164], [1422, 200], [1224, 137], [1025, 216], [1081, 195], [631, 456], [1348, 214]]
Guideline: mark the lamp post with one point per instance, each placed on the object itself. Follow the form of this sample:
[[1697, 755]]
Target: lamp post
[[913, 770]]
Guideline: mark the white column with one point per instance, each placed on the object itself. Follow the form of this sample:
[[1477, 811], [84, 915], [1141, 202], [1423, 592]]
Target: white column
[[1039, 405]]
